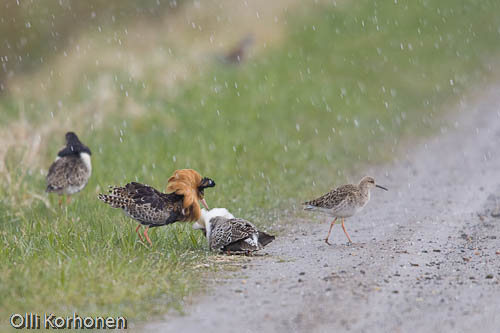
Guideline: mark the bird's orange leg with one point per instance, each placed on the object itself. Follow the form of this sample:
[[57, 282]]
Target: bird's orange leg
[[147, 237], [329, 231], [68, 199], [60, 201], [345, 231], [138, 233]]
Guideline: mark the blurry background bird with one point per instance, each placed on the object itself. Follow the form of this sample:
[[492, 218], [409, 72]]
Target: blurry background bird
[[343, 201], [237, 54], [153, 208], [71, 170], [228, 234]]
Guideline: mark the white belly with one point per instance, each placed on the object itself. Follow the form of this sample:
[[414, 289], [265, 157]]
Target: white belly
[[74, 189], [86, 159], [346, 211]]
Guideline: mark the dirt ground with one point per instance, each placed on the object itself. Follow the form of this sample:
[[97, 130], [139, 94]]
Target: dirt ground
[[426, 256]]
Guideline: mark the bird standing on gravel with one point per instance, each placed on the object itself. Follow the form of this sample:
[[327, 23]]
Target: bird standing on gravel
[[153, 208], [226, 233], [71, 170], [343, 201]]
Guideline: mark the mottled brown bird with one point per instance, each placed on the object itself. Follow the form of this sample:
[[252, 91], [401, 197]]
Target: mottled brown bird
[[239, 52], [225, 233], [343, 201], [153, 208], [71, 170]]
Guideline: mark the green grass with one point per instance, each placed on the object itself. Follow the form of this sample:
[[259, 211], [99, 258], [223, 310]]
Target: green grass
[[342, 90]]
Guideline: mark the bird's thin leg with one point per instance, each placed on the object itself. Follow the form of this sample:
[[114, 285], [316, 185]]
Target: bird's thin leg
[[138, 233], [147, 237], [329, 231], [345, 231], [60, 201], [68, 199]]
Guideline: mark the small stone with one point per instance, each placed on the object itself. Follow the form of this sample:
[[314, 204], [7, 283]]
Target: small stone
[[302, 273], [436, 250], [395, 291], [489, 276], [414, 264], [300, 280], [362, 271]]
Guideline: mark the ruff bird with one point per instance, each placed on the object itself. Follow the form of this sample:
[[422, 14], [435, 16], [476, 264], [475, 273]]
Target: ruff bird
[[153, 208], [71, 170], [225, 233], [343, 202], [239, 52]]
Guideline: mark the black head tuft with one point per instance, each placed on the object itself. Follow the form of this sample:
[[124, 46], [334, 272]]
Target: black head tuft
[[72, 139], [206, 182], [73, 146]]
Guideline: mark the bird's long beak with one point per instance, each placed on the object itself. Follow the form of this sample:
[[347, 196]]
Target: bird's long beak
[[204, 203], [381, 187]]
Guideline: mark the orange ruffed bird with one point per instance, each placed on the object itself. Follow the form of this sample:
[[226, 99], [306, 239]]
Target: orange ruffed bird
[[152, 208]]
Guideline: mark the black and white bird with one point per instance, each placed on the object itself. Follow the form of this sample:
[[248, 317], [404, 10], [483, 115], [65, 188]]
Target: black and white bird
[[225, 233], [71, 170]]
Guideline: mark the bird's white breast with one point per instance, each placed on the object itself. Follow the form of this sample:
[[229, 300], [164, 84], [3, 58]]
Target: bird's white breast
[[86, 159]]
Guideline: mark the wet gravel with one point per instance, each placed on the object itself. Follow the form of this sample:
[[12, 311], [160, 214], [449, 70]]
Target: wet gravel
[[426, 256]]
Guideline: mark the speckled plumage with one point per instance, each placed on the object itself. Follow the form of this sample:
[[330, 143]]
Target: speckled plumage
[[344, 201], [153, 208], [72, 168], [145, 204], [229, 234]]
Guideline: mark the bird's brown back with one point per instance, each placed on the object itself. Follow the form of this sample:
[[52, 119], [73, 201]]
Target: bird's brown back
[[333, 198]]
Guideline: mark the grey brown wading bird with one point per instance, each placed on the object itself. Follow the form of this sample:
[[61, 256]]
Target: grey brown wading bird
[[153, 208], [225, 233], [71, 170], [343, 202]]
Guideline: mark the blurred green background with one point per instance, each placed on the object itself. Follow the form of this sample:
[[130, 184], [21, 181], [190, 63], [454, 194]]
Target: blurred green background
[[325, 88], [32, 32]]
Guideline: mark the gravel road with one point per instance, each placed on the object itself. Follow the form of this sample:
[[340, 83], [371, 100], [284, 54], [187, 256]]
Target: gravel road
[[426, 256]]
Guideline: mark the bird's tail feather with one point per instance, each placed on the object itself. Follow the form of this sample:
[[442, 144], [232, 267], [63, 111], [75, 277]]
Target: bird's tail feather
[[308, 206], [50, 188], [265, 239], [114, 201]]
